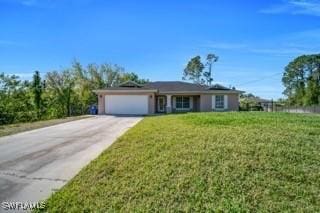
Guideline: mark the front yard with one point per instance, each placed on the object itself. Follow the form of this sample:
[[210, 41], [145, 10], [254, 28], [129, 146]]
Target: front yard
[[201, 162]]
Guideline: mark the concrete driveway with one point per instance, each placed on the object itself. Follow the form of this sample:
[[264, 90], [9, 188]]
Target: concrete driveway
[[36, 163]]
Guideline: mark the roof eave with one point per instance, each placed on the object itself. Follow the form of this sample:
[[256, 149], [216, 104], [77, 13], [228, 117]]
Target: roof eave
[[168, 92], [132, 82], [125, 91], [202, 92]]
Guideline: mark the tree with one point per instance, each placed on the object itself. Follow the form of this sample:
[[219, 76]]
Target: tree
[[37, 92], [130, 76], [211, 58], [15, 96], [60, 86], [111, 74], [301, 80], [61, 93], [193, 70], [83, 88], [96, 76]]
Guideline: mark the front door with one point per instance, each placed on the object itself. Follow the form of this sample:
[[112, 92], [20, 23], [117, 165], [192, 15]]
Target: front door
[[161, 104]]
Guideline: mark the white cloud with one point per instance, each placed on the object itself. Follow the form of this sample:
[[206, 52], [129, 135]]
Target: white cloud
[[295, 7]]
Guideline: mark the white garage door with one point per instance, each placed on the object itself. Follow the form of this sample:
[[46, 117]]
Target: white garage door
[[126, 104]]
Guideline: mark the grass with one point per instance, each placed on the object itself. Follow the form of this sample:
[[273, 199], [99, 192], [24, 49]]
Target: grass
[[21, 127], [239, 162]]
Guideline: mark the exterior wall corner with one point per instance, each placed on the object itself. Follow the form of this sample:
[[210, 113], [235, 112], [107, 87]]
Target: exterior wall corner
[[101, 104], [205, 103], [233, 102], [152, 104], [169, 104]]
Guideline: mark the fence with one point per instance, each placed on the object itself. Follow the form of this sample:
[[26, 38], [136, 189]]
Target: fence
[[297, 109], [273, 106]]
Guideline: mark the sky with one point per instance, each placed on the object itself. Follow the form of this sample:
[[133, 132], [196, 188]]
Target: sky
[[254, 40]]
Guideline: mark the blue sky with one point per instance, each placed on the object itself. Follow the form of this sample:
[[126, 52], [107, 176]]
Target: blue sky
[[255, 40]]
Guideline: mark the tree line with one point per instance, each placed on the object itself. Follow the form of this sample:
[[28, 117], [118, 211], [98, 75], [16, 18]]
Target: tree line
[[301, 80], [69, 92], [58, 94]]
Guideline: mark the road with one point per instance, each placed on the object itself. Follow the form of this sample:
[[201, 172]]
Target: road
[[36, 163]]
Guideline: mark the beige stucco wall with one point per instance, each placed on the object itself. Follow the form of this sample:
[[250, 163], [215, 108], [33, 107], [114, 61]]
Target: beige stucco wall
[[152, 103], [206, 103], [233, 102], [101, 101]]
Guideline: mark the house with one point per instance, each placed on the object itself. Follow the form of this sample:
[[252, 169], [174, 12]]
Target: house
[[265, 105], [166, 97], [254, 103]]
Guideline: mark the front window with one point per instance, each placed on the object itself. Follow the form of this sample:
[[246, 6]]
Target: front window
[[219, 101], [182, 102]]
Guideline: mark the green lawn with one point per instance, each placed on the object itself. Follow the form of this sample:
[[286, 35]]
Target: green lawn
[[201, 162], [21, 127]]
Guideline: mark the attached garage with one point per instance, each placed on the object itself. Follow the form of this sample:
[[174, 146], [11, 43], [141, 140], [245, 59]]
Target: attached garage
[[131, 98], [127, 104]]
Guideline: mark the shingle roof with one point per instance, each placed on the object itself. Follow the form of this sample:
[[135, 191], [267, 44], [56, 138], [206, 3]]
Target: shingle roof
[[218, 87], [125, 88], [128, 85], [172, 86], [164, 86]]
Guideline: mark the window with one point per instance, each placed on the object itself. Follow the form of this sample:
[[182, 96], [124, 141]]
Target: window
[[219, 102], [182, 102]]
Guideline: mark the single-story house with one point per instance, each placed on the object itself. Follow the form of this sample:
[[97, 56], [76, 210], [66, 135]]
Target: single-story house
[[166, 97], [255, 103]]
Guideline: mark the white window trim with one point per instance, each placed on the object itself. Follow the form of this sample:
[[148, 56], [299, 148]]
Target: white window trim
[[219, 108], [213, 98], [225, 103], [175, 104], [158, 104]]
